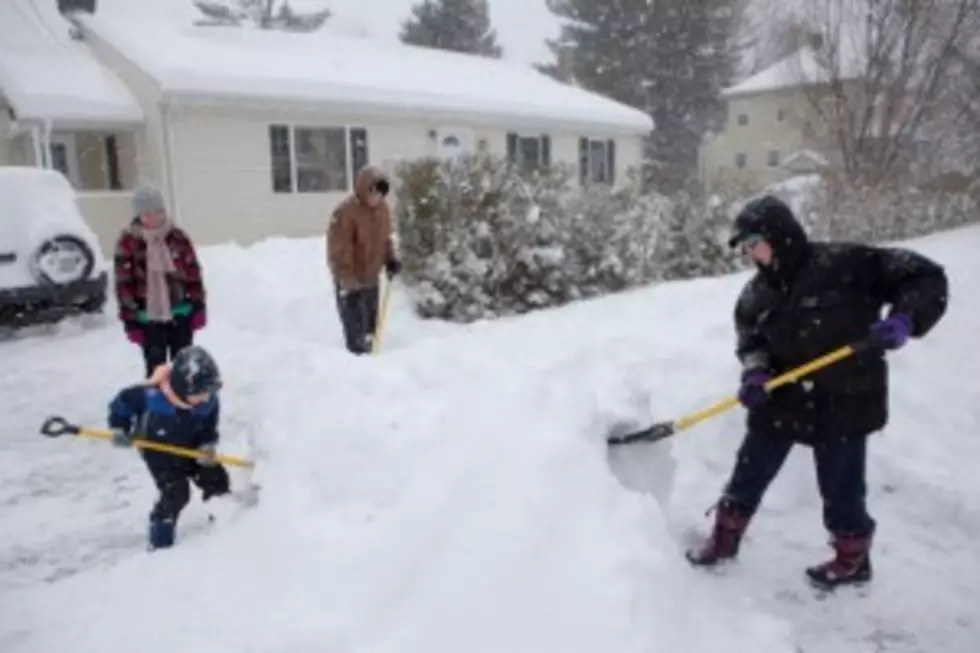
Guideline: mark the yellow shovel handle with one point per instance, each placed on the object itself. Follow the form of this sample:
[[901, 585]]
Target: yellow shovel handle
[[141, 443], [787, 377], [382, 318]]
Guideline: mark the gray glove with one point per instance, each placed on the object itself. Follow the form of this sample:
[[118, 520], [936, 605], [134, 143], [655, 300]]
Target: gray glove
[[122, 438], [207, 456]]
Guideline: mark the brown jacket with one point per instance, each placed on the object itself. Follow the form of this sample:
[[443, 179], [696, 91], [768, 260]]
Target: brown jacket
[[359, 237]]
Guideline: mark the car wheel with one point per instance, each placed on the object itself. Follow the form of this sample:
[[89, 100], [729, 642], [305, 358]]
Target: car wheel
[[63, 260], [94, 304]]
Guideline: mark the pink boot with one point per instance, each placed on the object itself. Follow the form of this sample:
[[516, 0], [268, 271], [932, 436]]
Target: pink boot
[[725, 537], [851, 564]]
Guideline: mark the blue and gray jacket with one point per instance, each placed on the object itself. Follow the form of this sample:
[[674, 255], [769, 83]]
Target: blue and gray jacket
[[147, 412]]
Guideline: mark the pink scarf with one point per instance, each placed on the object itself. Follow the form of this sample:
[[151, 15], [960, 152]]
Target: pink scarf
[[159, 265]]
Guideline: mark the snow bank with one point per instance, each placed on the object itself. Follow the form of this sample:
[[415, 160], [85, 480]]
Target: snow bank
[[47, 75], [455, 493], [452, 495], [236, 63]]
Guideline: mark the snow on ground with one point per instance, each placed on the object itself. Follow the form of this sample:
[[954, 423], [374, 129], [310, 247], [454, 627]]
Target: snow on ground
[[456, 493]]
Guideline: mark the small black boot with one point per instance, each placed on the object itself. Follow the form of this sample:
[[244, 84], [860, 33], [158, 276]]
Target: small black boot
[[723, 543], [851, 565]]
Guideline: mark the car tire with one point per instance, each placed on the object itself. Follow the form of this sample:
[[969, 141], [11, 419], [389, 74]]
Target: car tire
[[95, 304], [63, 240]]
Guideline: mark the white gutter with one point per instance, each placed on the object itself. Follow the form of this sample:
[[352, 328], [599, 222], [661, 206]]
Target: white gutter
[[47, 143], [39, 158], [169, 154]]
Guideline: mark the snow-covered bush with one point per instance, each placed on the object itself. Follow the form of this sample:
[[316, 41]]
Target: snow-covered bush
[[877, 215], [481, 238]]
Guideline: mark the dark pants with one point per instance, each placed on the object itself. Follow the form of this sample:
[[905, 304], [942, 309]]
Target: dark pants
[[164, 340], [840, 477], [173, 477], [358, 311]]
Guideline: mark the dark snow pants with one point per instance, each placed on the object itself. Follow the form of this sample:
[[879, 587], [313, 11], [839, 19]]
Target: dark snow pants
[[164, 340], [173, 477], [840, 466], [358, 311]]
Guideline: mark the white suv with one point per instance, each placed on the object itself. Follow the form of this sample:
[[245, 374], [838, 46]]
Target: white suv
[[51, 264]]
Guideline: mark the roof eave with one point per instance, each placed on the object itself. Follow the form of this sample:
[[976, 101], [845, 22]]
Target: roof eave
[[407, 112], [734, 91], [80, 122], [70, 120]]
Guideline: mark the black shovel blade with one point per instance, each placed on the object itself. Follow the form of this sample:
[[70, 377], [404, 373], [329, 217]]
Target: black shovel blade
[[653, 433], [54, 427]]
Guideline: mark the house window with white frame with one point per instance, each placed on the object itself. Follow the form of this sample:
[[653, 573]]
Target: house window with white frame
[[773, 158], [597, 161], [529, 151], [741, 160], [93, 160], [314, 159]]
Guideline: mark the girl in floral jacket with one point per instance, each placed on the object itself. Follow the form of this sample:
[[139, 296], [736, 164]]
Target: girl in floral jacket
[[159, 287]]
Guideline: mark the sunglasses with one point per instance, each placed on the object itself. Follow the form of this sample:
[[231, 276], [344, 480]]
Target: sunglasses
[[750, 241], [382, 187]]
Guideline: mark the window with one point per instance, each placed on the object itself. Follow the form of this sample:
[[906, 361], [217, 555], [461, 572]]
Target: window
[[741, 160], [93, 160], [773, 158], [316, 159], [64, 157], [597, 161], [529, 152], [781, 115], [743, 118]]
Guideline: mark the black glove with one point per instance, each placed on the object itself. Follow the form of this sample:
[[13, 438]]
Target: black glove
[[393, 267], [122, 438]]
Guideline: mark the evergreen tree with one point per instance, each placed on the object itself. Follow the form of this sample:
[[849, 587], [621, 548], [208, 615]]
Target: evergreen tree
[[457, 25], [264, 14], [669, 58]]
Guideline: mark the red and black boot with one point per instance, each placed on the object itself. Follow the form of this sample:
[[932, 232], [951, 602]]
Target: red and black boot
[[851, 564], [722, 544]]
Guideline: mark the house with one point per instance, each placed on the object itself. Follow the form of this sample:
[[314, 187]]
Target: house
[[772, 130], [257, 133], [61, 108]]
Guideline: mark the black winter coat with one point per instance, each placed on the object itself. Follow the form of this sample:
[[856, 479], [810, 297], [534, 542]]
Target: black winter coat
[[816, 298]]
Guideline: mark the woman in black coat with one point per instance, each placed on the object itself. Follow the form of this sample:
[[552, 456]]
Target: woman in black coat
[[806, 300]]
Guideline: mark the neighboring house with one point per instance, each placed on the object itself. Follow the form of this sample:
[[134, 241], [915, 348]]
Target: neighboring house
[[60, 108], [255, 133], [772, 131]]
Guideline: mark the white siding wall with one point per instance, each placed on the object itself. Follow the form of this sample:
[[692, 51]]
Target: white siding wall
[[224, 168]]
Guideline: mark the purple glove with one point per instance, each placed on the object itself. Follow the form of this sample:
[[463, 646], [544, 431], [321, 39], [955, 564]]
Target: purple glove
[[892, 332], [199, 320], [753, 392], [136, 336]]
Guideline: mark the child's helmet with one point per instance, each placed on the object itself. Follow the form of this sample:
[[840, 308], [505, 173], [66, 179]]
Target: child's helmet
[[193, 371]]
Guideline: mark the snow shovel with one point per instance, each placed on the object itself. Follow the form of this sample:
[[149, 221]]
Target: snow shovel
[[382, 318], [54, 427], [666, 429]]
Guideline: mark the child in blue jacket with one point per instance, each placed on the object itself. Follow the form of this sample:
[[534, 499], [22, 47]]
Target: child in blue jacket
[[178, 405]]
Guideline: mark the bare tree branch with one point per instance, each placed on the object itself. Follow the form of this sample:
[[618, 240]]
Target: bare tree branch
[[884, 69]]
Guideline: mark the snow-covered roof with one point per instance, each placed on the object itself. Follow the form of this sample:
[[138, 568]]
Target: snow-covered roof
[[800, 68], [367, 75], [45, 74], [806, 157]]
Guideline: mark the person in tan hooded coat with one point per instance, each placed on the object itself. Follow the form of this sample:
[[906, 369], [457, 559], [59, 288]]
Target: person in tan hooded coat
[[359, 246]]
